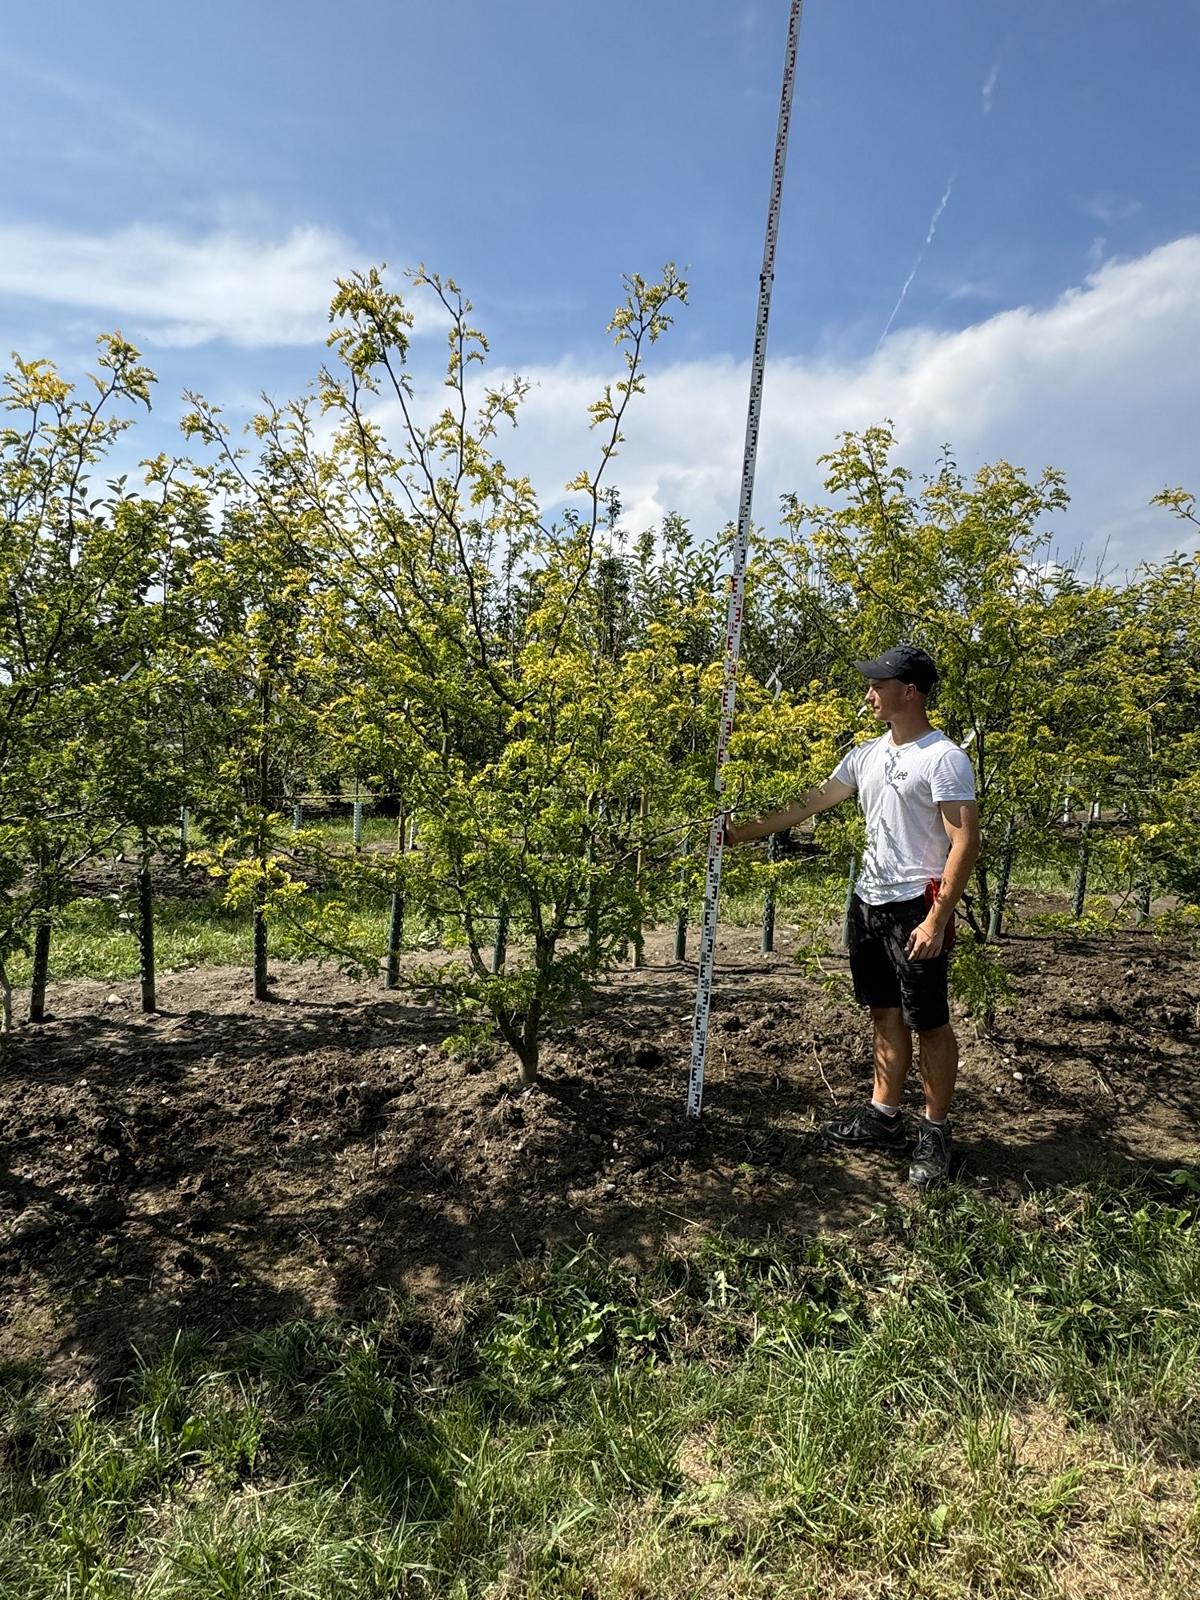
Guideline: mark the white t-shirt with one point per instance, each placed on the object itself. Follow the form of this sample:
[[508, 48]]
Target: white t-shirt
[[899, 789]]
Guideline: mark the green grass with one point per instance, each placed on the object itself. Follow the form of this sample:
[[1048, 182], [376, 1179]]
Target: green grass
[[340, 830], [94, 939], [971, 1401]]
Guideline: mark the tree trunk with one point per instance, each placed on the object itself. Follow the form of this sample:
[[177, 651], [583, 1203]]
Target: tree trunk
[[983, 893], [500, 947], [396, 917], [527, 1068], [1143, 903], [593, 911], [6, 1010], [528, 1042], [639, 941], [260, 955], [145, 895], [996, 920], [395, 939], [264, 775], [1081, 874], [681, 916], [768, 916], [41, 971], [530, 1045]]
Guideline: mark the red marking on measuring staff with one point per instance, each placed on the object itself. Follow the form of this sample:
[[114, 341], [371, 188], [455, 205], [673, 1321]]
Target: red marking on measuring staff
[[733, 624]]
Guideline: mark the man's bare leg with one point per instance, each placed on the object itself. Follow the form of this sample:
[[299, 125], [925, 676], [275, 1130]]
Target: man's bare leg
[[939, 1070], [866, 1126], [893, 1054]]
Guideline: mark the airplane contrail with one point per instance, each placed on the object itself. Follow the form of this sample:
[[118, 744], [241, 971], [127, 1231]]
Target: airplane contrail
[[933, 222], [989, 88]]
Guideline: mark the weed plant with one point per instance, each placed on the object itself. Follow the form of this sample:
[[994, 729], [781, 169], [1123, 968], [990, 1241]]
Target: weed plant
[[964, 1400]]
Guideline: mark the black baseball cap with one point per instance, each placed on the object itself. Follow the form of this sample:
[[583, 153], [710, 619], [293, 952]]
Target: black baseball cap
[[905, 662]]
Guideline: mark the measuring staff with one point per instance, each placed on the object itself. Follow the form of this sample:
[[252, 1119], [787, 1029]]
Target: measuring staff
[[737, 581]]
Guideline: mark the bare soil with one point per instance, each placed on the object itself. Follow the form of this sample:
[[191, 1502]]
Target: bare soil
[[225, 1165]]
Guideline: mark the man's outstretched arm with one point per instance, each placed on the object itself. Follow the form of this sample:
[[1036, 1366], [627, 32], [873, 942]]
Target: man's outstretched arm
[[831, 793]]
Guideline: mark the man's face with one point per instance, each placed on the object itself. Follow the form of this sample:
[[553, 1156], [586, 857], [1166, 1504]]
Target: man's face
[[887, 697]]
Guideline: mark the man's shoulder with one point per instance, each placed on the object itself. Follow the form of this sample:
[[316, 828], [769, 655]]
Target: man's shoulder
[[939, 746], [873, 746], [863, 753], [951, 775]]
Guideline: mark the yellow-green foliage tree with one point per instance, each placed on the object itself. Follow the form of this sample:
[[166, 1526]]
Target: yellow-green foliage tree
[[480, 668], [1152, 673], [80, 636], [962, 566], [259, 680]]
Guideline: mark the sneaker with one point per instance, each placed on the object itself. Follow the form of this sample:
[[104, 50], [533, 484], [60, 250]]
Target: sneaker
[[931, 1159], [867, 1129]]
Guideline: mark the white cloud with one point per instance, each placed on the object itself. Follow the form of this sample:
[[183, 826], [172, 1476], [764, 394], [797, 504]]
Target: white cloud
[[1111, 209], [1100, 383], [174, 288], [92, 128]]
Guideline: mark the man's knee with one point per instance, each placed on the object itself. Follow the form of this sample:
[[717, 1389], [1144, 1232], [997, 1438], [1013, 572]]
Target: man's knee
[[943, 1031], [889, 1023]]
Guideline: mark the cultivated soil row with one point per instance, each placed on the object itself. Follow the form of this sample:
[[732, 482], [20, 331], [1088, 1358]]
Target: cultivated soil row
[[226, 1165]]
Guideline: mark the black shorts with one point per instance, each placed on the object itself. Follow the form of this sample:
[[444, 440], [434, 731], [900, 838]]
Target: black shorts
[[884, 976]]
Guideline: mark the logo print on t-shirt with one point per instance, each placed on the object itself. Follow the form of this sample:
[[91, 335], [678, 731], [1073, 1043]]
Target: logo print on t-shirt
[[891, 776]]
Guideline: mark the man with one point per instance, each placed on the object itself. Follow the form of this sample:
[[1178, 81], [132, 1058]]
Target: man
[[917, 793]]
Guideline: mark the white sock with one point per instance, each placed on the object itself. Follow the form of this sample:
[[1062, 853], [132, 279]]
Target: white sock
[[944, 1123], [886, 1111]]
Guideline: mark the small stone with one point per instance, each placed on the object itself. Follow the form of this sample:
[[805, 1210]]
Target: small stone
[[35, 1222]]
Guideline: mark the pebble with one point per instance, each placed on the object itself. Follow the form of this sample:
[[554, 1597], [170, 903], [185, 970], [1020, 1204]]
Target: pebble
[[33, 1223]]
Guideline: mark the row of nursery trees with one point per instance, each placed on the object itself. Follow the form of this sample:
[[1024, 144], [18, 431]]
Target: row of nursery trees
[[361, 589]]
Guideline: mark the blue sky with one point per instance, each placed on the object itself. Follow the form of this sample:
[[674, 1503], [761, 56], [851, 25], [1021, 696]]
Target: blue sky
[[196, 176]]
